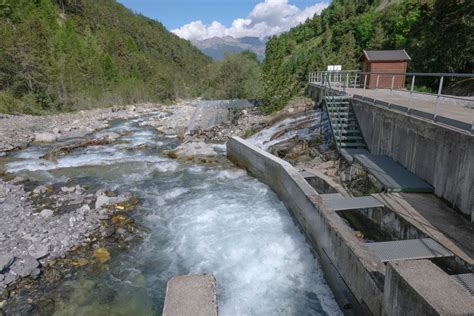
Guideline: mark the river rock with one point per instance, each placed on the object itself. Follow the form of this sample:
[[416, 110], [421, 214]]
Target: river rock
[[5, 261], [8, 278], [38, 251], [24, 266], [68, 189], [102, 200], [40, 189], [102, 255], [45, 138], [46, 213], [112, 136]]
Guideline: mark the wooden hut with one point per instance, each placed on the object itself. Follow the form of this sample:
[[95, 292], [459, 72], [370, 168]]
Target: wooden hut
[[384, 61]]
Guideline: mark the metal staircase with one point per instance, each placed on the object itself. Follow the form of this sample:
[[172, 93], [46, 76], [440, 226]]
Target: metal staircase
[[344, 125]]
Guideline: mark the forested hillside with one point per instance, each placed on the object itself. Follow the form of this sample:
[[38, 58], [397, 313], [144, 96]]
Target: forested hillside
[[437, 34], [75, 54]]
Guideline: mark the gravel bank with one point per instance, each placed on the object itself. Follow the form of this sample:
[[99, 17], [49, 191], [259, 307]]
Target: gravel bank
[[18, 131]]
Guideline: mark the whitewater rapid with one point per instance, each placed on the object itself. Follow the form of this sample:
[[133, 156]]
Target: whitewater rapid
[[201, 219]]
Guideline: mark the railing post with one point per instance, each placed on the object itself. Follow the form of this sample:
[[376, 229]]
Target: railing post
[[377, 83], [365, 81], [347, 82], [411, 92], [440, 89]]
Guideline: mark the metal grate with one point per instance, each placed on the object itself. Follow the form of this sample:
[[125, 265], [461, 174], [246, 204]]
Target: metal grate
[[466, 280], [408, 249], [353, 203]]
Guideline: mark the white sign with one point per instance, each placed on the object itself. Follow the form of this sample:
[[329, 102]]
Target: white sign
[[334, 68]]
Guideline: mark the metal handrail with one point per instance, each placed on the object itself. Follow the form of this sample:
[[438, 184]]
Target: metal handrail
[[326, 94], [358, 79]]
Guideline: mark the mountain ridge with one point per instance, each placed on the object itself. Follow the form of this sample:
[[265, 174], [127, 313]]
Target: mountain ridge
[[217, 47]]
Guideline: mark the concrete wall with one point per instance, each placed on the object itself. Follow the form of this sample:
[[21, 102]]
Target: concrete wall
[[325, 230], [442, 156], [418, 287]]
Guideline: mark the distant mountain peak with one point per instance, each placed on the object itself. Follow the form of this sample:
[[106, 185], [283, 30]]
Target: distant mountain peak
[[217, 47]]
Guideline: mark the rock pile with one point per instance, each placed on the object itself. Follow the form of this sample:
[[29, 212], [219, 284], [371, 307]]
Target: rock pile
[[30, 237]]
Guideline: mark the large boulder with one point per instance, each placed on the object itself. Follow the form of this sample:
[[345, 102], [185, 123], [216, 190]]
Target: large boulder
[[38, 250], [24, 266], [45, 138], [5, 261]]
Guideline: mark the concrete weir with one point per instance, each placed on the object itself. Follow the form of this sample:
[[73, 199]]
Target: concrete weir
[[361, 283]]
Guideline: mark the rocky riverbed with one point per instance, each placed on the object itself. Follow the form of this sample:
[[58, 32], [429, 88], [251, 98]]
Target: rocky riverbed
[[59, 226], [68, 202], [18, 131]]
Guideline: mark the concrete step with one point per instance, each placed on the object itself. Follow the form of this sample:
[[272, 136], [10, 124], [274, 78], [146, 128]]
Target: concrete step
[[352, 145], [349, 153]]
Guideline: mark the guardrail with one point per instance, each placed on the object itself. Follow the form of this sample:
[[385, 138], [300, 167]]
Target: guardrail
[[446, 107]]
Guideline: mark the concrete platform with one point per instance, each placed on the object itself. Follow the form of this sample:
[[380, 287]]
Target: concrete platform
[[436, 219], [191, 295], [452, 112], [349, 153], [391, 174], [418, 287]]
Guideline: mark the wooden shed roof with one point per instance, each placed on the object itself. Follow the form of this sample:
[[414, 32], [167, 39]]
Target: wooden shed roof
[[385, 55]]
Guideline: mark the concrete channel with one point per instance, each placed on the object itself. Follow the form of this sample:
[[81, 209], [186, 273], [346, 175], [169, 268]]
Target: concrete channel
[[361, 282]]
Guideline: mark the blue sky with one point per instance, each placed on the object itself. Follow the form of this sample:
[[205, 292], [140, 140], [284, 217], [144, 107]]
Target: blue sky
[[183, 16]]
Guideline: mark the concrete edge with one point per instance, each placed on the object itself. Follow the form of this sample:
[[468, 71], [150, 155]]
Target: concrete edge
[[419, 287], [326, 231], [191, 295]]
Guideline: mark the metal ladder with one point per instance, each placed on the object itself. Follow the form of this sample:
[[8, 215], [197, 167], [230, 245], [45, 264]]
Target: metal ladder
[[342, 119]]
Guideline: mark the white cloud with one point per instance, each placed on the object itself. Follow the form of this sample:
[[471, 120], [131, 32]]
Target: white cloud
[[267, 18]]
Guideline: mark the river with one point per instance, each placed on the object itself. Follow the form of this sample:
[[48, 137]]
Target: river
[[201, 219]]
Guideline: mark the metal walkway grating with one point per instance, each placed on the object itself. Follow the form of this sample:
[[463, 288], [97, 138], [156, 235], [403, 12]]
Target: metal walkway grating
[[408, 249], [466, 280], [355, 203]]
